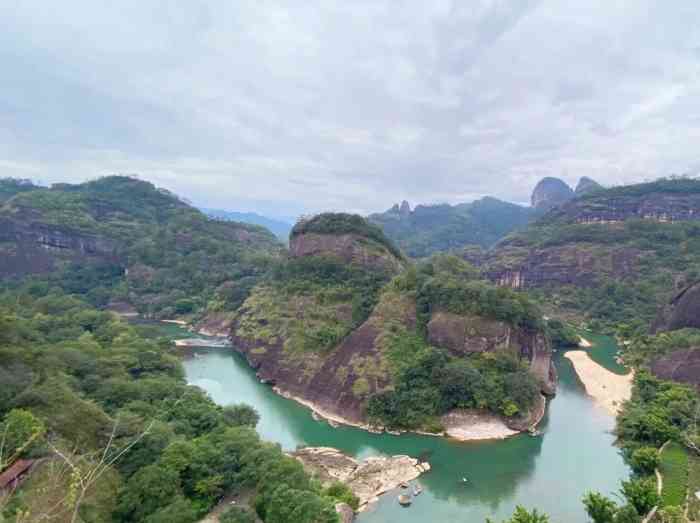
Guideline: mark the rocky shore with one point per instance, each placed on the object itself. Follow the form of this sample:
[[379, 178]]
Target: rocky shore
[[368, 479]]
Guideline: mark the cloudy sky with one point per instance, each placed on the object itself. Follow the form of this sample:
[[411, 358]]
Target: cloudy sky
[[300, 106]]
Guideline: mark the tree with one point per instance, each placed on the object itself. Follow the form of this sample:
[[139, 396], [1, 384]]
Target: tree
[[627, 514], [671, 515], [644, 460], [241, 415], [20, 431], [641, 494], [599, 508], [149, 490], [237, 515], [521, 515]]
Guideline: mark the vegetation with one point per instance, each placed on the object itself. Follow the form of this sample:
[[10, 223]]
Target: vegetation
[[343, 223], [659, 255], [673, 467], [693, 486], [429, 382], [131, 440], [522, 515], [441, 228], [179, 261]]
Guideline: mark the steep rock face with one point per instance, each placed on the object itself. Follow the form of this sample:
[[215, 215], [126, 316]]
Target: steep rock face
[[337, 382], [550, 192], [465, 334], [351, 248], [682, 366], [683, 311], [586, 185], [517, 267], [27, 247], [612, 206]]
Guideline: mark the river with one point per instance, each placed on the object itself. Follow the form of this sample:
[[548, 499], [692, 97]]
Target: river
[[551, 472]]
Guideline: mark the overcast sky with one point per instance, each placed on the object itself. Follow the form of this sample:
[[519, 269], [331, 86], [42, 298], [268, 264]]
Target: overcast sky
[[288, 107]]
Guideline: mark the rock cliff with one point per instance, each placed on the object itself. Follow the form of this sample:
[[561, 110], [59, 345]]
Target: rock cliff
[[683, 311], [550, 192]]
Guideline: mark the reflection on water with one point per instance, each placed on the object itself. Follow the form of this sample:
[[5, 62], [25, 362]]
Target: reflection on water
[[551, 472]]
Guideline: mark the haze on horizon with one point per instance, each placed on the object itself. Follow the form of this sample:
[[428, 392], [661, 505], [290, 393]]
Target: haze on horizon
[[291, 107]]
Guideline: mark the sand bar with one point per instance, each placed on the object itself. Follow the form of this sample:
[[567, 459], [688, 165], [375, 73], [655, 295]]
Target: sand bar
[[609, 390]]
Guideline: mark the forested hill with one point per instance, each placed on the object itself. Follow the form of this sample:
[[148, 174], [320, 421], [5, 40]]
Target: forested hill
[[122, 240], [433, 228], [612, 254]]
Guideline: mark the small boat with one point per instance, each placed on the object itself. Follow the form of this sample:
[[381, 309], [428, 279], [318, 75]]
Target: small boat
[[404, 500], [403, 484], [532, 431], [464, 480], [417, 490]]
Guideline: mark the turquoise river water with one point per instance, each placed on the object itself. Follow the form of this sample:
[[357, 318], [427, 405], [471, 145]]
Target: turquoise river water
[[552, 472]]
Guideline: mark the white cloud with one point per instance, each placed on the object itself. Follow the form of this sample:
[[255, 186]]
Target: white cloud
[[291, 106]]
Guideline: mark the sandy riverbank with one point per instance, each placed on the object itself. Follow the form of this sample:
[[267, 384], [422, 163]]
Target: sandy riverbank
[[609, 390], [583, 342]]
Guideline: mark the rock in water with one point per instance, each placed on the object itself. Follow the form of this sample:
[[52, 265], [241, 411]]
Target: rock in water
[[586, 185], [367, 479], [550, 192]]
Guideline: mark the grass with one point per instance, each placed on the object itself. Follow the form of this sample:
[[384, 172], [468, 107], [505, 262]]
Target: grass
[[693, 486], [674, 469]]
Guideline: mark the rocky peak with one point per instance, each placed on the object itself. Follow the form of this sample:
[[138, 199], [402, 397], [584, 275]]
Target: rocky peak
[[683, 311], [586, 185], [405, 208], [550, 192]]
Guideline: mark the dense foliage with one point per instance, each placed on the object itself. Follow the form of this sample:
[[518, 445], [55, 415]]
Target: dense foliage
[[429, 382], [433, 228], [179, 261], [78, 383], [343, 223]]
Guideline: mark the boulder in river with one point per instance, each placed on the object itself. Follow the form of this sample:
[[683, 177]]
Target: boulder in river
[[367, 479]]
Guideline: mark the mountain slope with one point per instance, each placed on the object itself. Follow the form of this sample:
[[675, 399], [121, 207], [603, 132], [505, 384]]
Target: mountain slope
[[119, 239], [612, 254], [434, 228], [279, 228], [347, 325]]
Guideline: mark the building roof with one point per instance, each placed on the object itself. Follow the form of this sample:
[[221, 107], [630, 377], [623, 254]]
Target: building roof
[[18, 468]]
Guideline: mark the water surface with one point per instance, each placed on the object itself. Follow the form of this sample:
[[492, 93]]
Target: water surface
[[551, 472]]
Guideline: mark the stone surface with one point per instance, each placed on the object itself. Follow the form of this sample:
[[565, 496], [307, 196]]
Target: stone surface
[[367, 479], [681, 365], [351, 248], [550, 192], [683, 311]]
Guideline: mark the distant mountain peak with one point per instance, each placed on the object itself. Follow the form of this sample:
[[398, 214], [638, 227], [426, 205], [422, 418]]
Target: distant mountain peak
[[405, 208], [550, 192], [586, 185]]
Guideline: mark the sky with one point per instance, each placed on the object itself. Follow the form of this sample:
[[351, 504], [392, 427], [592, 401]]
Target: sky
[[294, 107]]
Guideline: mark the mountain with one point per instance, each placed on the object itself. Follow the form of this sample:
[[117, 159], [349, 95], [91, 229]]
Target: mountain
[[279, 228], [350, 327], [586, 185], [120, 240], [434, 228], [9, 187], [550, 192], [611, 254]]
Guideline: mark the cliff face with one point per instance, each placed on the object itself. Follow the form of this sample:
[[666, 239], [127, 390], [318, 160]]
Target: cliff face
[[338, 381], [351, 248], [549, 193], [607, 233], [586, 185], [28, 247], [465, 334], [683, 311], [682, 366]]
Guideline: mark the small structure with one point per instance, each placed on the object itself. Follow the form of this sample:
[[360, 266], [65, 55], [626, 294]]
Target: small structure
[[12, 476]]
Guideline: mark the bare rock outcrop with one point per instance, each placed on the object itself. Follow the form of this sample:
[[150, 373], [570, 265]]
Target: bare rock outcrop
[[550, 192], [367, 479], [683, 311], [586, 185]]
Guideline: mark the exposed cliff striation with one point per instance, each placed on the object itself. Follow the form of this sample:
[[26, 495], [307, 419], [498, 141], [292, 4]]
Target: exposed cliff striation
[[613, 254], [122, 239]]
